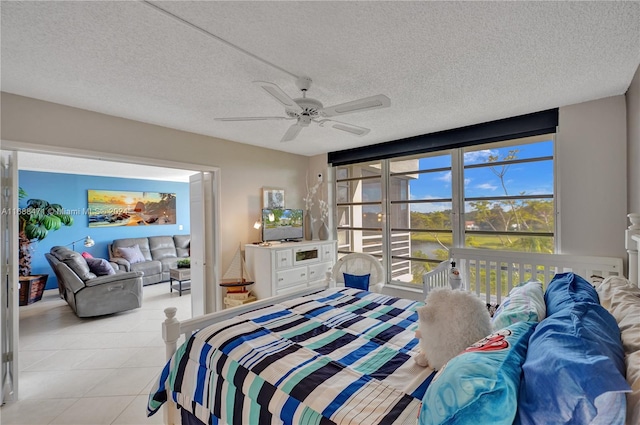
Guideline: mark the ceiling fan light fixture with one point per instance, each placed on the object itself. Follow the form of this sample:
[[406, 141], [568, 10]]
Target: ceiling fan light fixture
[[305, 109]]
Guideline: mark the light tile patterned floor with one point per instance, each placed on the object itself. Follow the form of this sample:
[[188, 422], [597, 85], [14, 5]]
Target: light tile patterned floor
[[90, 371]]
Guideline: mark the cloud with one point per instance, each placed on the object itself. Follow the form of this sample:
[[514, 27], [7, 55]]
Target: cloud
[[446, 177], [487, 186], [431, 207], [476, 157]]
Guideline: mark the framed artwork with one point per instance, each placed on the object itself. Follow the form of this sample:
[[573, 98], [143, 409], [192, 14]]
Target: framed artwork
[[109, 208], [272, 198]]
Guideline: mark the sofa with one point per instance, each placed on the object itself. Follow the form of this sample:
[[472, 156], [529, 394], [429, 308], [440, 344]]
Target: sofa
[[154, 257], [89, 294]]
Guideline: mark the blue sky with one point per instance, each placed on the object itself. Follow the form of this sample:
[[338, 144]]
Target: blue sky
[[530, 178]]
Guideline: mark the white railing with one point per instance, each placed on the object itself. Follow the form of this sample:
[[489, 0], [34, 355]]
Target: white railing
[[492, 273]]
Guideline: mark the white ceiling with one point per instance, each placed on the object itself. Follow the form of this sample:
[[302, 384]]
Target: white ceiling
[[442, 64]]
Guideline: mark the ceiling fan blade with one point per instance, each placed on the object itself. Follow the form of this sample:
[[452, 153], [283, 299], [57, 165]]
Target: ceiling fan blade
[[365, 104], [279, 95], [349, 128], [291, 133], [252, 118]]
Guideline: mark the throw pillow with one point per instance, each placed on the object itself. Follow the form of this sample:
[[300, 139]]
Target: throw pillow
[[132, 254], [86, 255], [525, 303], [356, 282], [574, 356], [480, 385], [566, 289], [100, 266]]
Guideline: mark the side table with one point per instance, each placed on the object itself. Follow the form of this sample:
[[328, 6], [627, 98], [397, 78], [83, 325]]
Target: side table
[[180, 275]]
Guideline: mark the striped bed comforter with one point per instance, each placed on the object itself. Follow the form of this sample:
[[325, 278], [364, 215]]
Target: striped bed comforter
[[339, 356]]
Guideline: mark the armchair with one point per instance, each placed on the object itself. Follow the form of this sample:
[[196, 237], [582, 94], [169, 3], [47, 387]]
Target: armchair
[[90, 295], [357, 263]]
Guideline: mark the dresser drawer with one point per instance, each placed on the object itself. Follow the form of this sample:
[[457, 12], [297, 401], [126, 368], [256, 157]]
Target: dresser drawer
[[290, 277], [319, 271], [289, 289], [328, 252], [284, 258]]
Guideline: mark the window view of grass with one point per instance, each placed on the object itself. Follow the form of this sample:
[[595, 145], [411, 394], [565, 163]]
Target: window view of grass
[[497, 196]]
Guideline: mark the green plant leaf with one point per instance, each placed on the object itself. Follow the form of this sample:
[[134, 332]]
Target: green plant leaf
[[55, 209], [37, 203], [51, 222], [35, 231], [66, 219]]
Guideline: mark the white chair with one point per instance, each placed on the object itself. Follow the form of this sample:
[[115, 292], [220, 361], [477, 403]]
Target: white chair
[[359, 264]]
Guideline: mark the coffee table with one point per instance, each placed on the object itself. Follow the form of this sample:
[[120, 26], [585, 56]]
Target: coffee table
[[181, 275]]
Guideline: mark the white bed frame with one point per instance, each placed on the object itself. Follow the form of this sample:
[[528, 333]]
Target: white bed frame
[[511, 268], [515, 266]]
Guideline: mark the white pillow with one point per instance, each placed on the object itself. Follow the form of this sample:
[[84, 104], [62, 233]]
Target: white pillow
[[525, 303]]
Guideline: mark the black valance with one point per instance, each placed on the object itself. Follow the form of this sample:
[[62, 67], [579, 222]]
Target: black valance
[[534, 124]]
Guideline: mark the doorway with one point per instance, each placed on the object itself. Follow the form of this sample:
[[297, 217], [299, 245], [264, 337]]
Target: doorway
[[206, 248]]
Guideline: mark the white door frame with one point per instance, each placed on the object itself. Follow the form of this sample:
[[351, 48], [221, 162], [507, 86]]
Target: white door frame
[[9, 314], [202, 190], [82, 153]]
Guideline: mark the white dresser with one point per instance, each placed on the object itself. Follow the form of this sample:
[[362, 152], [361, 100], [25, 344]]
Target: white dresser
[[286, 267]]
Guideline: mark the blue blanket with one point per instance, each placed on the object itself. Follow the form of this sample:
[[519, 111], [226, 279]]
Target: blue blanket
[[340, 356]]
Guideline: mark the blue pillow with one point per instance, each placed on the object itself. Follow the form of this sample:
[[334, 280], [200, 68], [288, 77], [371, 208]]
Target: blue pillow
[[100, 266], [574, 357], [356, 282], [481, 384], [566, 289]]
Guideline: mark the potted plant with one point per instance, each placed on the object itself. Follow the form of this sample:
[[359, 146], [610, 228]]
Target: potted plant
[[35, 221], [185, 263]]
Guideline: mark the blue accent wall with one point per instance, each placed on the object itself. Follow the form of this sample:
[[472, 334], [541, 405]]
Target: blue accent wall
[[70, 191]]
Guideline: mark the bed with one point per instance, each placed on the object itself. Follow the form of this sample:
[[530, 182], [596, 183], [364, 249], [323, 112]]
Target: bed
[[336, 355]]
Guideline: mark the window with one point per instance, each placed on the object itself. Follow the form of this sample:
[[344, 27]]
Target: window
[[408, 211]]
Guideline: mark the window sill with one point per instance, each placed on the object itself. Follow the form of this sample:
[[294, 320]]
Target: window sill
[[402, 291]]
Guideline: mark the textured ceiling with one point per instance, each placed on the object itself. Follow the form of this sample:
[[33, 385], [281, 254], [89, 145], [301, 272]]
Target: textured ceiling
[[442, 64]]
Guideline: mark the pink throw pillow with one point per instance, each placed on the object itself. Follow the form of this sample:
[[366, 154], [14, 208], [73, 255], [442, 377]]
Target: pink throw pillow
[[86, 255]]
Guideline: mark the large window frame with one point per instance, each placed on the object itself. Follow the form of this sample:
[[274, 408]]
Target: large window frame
[[389, 248]]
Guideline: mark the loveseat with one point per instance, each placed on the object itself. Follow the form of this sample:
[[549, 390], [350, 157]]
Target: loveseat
[[89, 294], [154, 256]]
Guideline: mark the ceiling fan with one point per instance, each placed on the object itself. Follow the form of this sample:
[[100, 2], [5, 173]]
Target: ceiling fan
[[305, 110]]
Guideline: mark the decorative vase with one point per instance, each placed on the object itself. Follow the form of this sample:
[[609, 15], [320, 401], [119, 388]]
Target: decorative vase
[[308, 226], [323, 231]]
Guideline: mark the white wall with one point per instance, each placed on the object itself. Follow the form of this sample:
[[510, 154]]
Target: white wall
[[244, 168], [592, 177], [591, 157], [633, 134]]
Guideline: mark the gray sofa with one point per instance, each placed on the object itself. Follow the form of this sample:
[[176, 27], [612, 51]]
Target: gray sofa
[[160, 254], [90, 295]]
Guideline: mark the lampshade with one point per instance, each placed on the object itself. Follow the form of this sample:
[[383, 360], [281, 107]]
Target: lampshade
[[257, 225]]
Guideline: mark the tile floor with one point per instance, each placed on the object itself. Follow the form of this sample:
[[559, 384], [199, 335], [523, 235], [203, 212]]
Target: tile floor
[[90, 371]]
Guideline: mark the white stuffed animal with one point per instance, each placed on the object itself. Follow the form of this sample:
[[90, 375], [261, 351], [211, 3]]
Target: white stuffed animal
[[450, 321]]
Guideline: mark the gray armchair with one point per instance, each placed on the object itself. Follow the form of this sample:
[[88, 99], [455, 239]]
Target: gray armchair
[[90, 295]]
